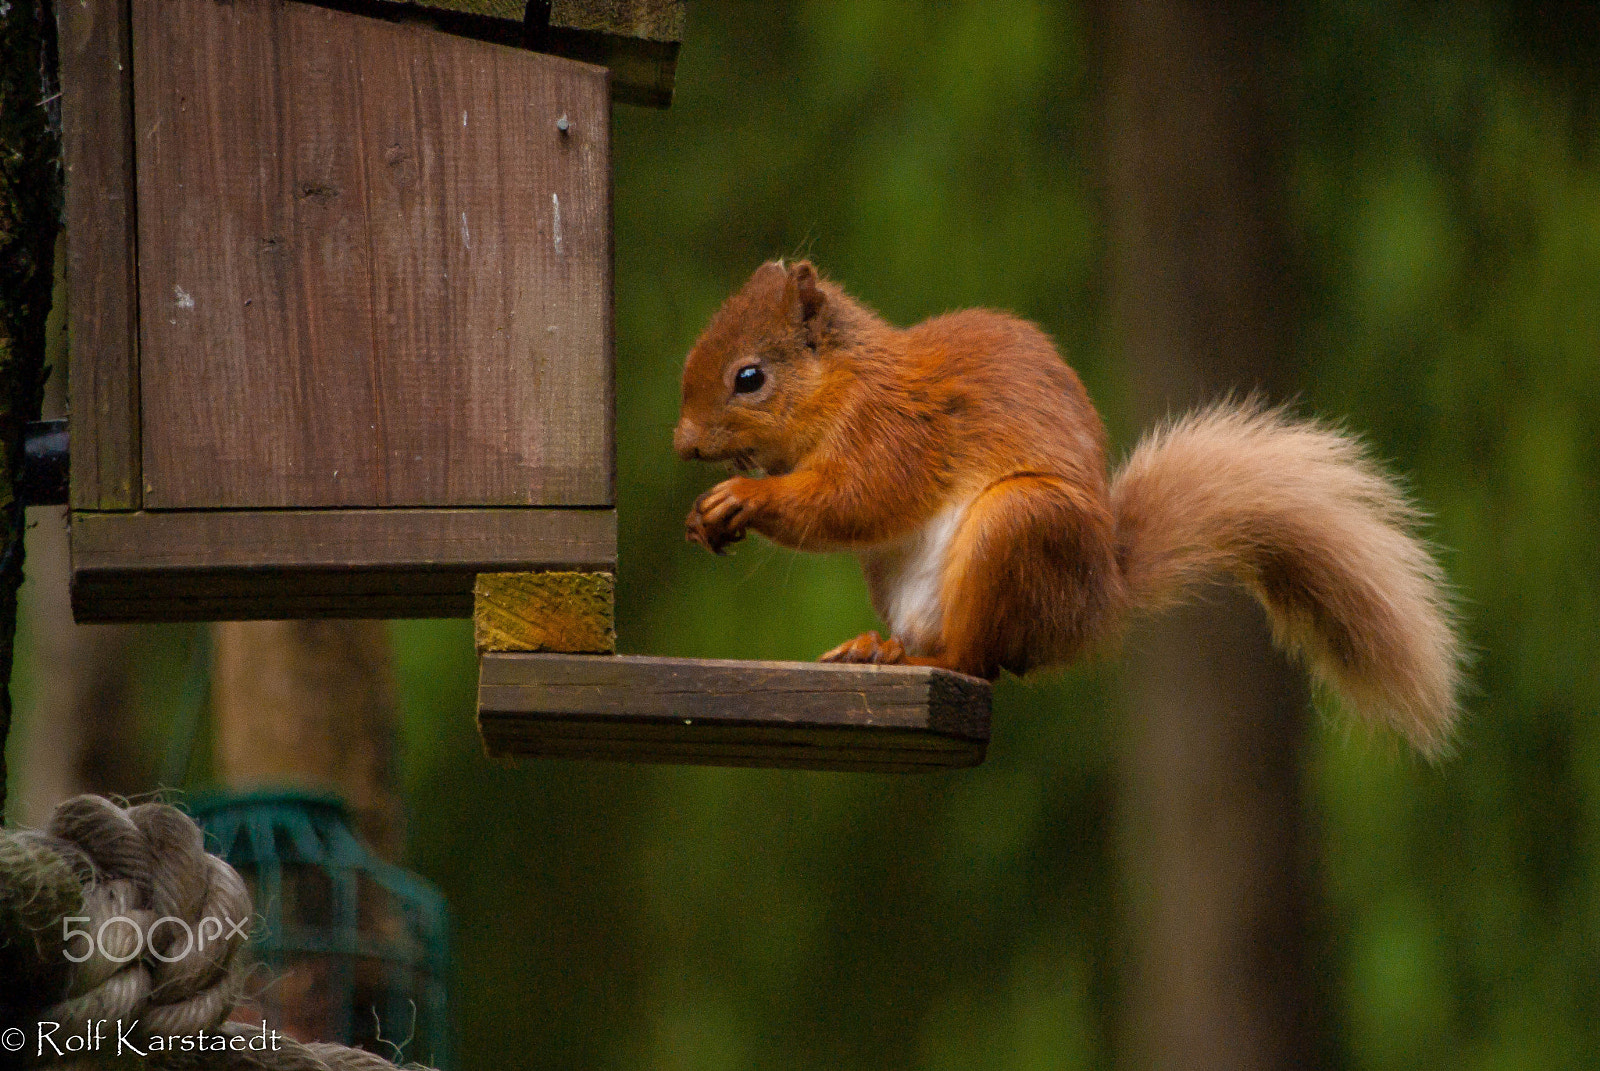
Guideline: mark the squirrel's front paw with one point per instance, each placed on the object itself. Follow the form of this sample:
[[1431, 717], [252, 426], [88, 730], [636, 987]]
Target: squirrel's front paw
[[868, 647], [721, 515]]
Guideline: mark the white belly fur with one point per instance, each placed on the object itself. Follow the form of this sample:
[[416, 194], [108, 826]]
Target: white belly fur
[[907, 579]]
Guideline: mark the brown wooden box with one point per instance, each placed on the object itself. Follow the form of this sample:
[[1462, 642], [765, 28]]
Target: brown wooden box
[[339, 311]]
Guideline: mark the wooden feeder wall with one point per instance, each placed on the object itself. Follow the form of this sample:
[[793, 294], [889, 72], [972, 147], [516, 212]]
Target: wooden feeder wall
[[339, 301]]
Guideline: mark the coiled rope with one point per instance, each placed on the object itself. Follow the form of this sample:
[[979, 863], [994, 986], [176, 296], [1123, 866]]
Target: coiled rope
[[139, 890]]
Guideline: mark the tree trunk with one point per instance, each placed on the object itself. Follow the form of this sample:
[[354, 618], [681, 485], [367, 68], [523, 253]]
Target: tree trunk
[[79, 734], [311, 704], [1212, 818], [30, 202]]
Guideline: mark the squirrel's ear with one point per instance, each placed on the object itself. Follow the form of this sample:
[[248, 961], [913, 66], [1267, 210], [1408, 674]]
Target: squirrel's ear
[[809, 294]]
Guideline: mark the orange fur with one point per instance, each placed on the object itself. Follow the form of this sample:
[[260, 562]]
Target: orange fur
[[962, 460]]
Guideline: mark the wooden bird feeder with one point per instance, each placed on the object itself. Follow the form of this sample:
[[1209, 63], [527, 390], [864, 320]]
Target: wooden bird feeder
[[340, 317]]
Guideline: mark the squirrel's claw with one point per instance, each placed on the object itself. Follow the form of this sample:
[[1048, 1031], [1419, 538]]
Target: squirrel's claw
[[868, 648], [719, 517], [694, 531]]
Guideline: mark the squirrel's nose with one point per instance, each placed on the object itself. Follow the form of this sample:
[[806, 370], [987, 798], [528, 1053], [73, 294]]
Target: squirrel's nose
[[686, 440]]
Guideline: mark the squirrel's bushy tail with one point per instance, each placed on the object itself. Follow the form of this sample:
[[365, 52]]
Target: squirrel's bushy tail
[[1301, 515]]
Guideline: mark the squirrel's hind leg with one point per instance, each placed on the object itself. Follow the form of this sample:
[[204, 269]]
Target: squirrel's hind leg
[[1032, 577]]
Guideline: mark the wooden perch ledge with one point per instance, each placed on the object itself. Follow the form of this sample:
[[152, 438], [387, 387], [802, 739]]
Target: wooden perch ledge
[[800, 715], [549, 685]]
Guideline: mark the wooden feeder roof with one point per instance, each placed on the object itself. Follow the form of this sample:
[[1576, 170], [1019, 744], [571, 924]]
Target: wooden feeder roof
[[637, 39], [647, 20]]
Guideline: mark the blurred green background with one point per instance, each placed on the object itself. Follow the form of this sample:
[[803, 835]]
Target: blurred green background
[[1445, 195]]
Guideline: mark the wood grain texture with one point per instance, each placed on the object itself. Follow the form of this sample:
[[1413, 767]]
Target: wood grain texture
[[102, 303], [558, 610], [219, 565], [373, 272], [714, 712]]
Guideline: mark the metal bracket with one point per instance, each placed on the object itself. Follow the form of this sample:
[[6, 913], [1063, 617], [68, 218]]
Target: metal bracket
[[44, 464]]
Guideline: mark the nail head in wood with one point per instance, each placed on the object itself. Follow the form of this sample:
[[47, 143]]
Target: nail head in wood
[[549, 611]]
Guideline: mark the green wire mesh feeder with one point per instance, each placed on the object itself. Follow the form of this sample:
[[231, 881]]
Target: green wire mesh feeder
[[356, 949]]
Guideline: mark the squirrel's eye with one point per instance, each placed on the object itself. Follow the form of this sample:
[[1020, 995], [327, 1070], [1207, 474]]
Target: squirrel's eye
[[749, 380]]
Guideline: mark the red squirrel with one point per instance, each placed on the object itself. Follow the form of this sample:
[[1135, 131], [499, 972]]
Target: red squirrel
[[962, 461]]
